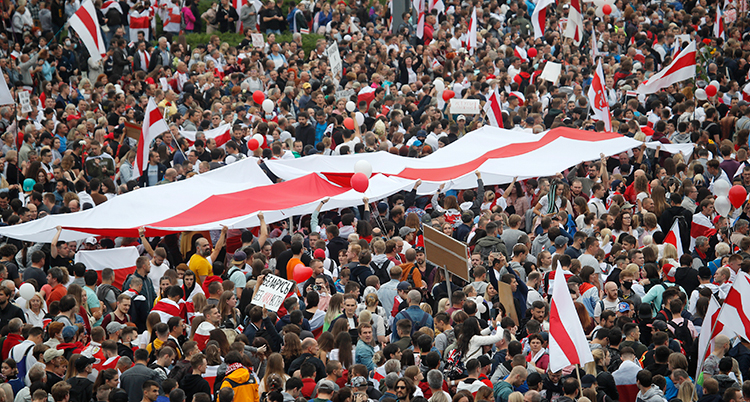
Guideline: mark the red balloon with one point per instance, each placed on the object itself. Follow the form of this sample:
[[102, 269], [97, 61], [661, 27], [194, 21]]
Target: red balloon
[[360, 182], [253, 144], [259, 97], [302, 273], [711, 92], [607, 9], [532, 52], [349, 123], [448, 94], [737, 195]]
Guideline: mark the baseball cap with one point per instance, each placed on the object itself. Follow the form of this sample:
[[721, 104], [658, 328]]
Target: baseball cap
[[114, 326], [658, 325], [623, 307], [84, 361], [359, 381], [239, 257], [561, 241], [461, 117], [587, 381], [326, 386], [421, 134], [28, 184], [529, 120], [50, 354], [69, 332], [403, 285], [320, 254], [419, 249], [91, 240], [406, 230], [306, 85], [704, 272]]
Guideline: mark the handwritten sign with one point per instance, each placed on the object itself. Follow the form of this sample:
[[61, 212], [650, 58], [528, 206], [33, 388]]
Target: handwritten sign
[[334, 59], [23, 99], [551, 71], [272, 292], [465, 106], [258, 40], [344, 94]]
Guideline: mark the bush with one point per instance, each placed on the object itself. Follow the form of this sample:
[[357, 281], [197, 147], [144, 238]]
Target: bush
[[234, 39]]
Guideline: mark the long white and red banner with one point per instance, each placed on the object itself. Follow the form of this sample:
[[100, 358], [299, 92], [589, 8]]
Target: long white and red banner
[[86, 24], [121, 260], [221, 134], [682, 68]]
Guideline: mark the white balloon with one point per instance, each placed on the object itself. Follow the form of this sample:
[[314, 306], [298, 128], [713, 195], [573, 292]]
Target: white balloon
[[722, 205], [27, 291], [700, 94], [363, 166], [721, 188], [259, 138], [439, 85], [714, 83], [350, 106], [268, 105], [360, 118], [481, 308]]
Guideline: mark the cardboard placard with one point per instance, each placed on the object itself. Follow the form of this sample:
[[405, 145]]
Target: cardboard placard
[[272, 292], [445, 251], [344, 94], [132, 130], [506, 299], [334, 59], [258, 40], [551, 71], [465, 106], [23, 99]]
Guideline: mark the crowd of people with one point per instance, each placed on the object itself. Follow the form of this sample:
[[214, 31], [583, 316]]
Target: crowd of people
[[376, 321]]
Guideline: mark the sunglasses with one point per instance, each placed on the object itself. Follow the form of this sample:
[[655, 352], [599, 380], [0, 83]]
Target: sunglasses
[[400, 387]]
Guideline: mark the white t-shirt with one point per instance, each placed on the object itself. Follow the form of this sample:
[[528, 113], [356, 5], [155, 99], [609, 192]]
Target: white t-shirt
[[157, 272]]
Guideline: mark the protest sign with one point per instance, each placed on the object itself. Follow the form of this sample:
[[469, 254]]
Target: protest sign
[[344, 94], [445, 251], [23, 99], [258, 41], [334, 59], [551, 71], [465, 106], [272, 292]]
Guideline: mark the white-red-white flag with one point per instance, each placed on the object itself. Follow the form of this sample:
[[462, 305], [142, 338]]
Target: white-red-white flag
[[107, 5], [438, 5], [86, 24], [682, 68], [419, 14], [719, 24], [705, 340], [166, 308], [701, 226], [567, 342], [471, 44], [139, 22], [221, 134], [597, 98], [734, 317], [494, 110], [594, 46], [121, 260], [673, 237], [521, 54], [574, 28], [539, 17], [153, 125]]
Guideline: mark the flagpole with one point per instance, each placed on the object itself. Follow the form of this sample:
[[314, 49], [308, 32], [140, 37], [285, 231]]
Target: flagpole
[[578, 374]]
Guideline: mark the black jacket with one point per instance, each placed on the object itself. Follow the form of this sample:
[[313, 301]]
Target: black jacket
[[120, 60], [686, 219], [687, 277], [193, 384], [81, 389], [320, 369], [143, 180], [306, 134]]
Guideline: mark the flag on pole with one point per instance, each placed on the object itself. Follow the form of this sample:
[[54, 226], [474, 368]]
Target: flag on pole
[[438, 5], [705, 340], [493, 109], [221, 134], [567, 342], [121, 260], [472, 42], [719, 24], [86, 24], [574, 28], [521, 54], [594, 46], [673, 237], [6, 98], [539, 17], [153, 125], [733, 319], [682, 68], [139, 22], [419, 14], [599, 104]]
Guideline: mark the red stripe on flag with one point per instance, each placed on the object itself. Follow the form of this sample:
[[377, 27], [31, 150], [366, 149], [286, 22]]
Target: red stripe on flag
[[542, 21], [121, 274], [495, 106], [86, 19], [561, 335]]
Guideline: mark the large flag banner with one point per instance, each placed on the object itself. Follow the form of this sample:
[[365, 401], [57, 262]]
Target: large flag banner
[[6, 98], [494, 110], [673, 237], [719, 24], [221, 134], [682, 68], [574, 27], [86, 24], [705, 339], [567, 342], [419, 15], [153, 125], [121, 260], [733, 318], [597, 99]]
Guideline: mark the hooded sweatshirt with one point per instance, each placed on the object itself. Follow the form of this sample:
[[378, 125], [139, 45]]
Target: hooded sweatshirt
[[488, 242], [652, 394], [540, 244], [243, 382], [193, 384]]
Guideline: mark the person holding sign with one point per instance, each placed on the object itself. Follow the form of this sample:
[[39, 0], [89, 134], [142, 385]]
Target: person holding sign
[[261, 325]]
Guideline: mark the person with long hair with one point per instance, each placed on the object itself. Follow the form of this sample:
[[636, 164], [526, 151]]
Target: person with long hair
[[378, 313], [325, 346], [149, 334], [405, 389], [275, 366], [335, 308], [292, 348], [220, 337], [553, 202], [451, 210], [342, 350], [469, 341], [108, 377], [230, 315], [83, 314]]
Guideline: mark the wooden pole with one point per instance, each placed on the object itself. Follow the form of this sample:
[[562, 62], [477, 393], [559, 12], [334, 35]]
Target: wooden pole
[[580, 385], [448, 287]]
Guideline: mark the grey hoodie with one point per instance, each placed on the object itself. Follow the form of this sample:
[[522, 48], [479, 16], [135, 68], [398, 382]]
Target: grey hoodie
[[652, 394], [540, 244]]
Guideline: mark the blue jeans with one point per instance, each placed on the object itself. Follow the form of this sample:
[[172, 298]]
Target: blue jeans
[[273, 31]]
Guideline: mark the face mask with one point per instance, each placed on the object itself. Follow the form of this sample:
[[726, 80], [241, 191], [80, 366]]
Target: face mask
[[627, 285], [179, 282], [67, 43]]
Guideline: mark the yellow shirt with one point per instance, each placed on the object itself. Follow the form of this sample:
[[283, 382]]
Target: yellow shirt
[[200, 266], [170, 108]]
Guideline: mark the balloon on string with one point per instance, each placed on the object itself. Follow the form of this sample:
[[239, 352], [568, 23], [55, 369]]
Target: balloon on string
[[737, 195], [350, 106], [360, 118], [721, 188], [360, 182], [448, 94], [363, 166], [711, 91], [607, 9], [259, 138], [722, 205], [253, 144], [27, 291], [700, 94], [532, 52], [302, 273], [439, 85], [258, 97], [349, 123], [268, 105]]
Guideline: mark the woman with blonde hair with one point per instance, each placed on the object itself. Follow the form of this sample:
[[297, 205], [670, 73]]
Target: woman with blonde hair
[[515, 397], [687, 393], [35, 310], [127, 169], [275, 366], [334, 310]]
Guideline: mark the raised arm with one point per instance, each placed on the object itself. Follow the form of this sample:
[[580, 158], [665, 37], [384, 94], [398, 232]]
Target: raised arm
[[603, 170], [366, 215], [219, 244], [144, 240], [411, 196], [263, 235], [55, 239], [314, 216]]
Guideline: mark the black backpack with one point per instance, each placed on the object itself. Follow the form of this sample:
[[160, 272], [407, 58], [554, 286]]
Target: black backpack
[[381, 271], [683, 335]]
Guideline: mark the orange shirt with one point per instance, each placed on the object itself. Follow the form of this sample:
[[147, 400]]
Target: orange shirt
[[57, 293], [290, 267], [416, 276]]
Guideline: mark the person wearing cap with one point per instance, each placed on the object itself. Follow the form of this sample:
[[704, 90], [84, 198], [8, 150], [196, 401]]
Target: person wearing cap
[[359, 387], [325, 389], [236, 274], [81, 388], [55, 366]]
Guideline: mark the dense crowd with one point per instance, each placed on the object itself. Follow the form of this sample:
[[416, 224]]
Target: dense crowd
[[376, 321]]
